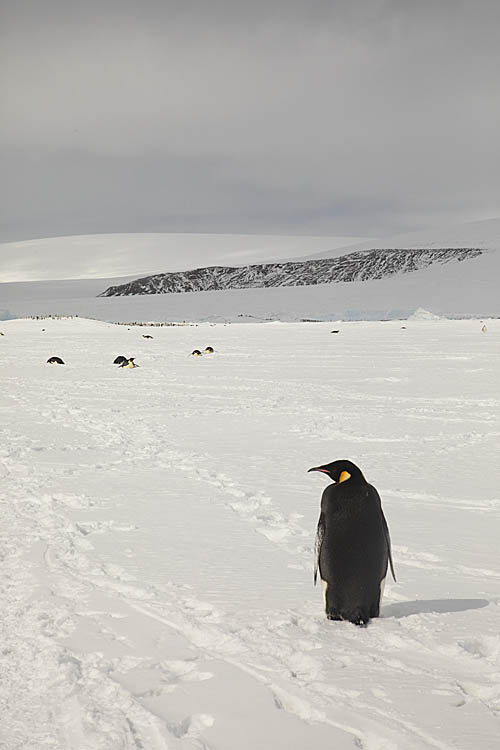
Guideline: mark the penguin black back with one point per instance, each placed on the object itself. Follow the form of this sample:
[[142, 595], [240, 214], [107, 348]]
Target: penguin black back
[[55, 361], [353, 546], [120, 359]]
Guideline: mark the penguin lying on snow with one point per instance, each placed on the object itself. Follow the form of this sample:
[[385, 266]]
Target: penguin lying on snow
[[146, 336], [196, 353], [55, 361], [129, 363], [353, 546], [119, 360], [208, 350]]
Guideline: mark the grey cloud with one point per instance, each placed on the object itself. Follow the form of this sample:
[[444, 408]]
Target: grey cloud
[[324, 117]]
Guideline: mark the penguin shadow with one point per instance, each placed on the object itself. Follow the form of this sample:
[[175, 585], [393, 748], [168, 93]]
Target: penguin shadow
[[431, 606]]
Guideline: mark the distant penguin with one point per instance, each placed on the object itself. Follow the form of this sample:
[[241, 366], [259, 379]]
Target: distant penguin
[[129, 363], [119, 360], [484, 329], [335, 331], [403, 328], [208, 350], [2, 333], [196, 353], [146, 336], [55, 361], [353, 547]]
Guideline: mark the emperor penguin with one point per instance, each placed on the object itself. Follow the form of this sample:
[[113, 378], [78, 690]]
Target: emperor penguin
[[196, 353], [208, 350], [129, 363], [55, 361], [353, 546]]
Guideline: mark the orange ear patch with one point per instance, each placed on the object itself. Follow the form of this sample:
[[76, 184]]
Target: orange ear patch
[[344, 476]]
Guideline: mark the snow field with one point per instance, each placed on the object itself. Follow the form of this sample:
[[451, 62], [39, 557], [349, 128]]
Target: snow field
[[158, 528]]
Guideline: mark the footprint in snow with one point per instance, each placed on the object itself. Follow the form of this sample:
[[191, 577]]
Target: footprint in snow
[[192, 725], [177, 670], [202, 609]]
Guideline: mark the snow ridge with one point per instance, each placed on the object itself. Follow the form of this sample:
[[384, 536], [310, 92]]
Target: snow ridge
[[356, 266]]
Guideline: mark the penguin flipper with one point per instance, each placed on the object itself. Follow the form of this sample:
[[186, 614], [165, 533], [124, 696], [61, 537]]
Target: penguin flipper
[[320, 533], [388, 542]]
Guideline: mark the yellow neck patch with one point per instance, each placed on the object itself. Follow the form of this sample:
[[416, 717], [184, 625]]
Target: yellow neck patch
[[344, 476]]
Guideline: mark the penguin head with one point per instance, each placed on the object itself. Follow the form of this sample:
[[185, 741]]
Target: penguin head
[[340, 471]]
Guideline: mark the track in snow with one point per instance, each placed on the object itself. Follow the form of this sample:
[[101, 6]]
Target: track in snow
[[158, 531]]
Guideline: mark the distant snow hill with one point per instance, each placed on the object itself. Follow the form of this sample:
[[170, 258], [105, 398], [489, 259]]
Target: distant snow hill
[[450, 272], [108, 256], [355, 266]]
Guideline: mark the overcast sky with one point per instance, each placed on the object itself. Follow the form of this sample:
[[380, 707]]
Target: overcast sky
[[318, 117]]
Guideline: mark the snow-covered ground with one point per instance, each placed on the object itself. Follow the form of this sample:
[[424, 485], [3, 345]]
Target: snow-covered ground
[[158, 528]]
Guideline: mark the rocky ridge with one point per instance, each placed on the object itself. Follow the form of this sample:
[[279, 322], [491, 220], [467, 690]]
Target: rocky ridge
[[355, 266]]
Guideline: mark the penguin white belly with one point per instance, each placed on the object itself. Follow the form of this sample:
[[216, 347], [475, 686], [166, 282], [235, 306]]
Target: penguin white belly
[[382, 587], [324, 586]]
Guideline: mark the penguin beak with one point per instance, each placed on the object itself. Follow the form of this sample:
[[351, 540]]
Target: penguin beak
[[318, 468]]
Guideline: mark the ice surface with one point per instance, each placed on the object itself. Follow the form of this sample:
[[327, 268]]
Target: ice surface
[[158, 525]]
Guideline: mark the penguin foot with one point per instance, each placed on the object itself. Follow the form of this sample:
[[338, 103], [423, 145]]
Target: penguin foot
[[333, 616], [358, 619], [360, 623]]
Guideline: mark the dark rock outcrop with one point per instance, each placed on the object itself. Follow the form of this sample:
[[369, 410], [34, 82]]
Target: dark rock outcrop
[[356, 266]]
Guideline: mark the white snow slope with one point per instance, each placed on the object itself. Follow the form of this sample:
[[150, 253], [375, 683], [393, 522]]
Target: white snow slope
[[484, 234], [158, 525], [99, 255]]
